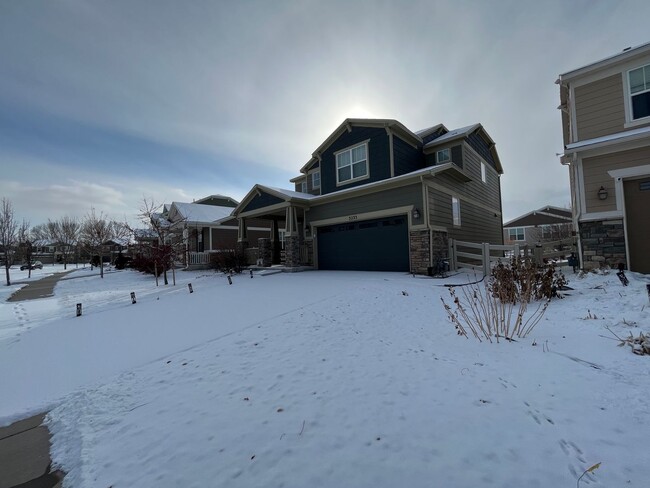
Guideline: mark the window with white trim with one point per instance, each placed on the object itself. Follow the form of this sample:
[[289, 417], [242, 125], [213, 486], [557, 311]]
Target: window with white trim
[[516, 234], [455, 210], [443, 156], [315, 179], [352, 164], [483, 173], [639, 79], [303, 187]]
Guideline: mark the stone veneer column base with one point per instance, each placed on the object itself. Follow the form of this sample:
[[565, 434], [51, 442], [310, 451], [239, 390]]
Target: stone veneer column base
[[265, 253], [292, 251], [603, 244], [419, 250]]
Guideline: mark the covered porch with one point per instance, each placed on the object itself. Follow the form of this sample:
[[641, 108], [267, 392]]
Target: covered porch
[[290, 243]]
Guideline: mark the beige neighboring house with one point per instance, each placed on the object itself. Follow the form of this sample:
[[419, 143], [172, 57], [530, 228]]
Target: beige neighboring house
[[207, 226], [606, 128], [544, 224]]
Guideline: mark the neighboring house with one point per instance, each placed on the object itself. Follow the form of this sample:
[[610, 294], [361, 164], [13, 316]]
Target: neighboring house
[[206, 226], [606, 127], [545, 224], [377, 196]]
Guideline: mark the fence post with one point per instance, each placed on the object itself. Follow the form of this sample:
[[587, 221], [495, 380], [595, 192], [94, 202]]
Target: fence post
[[486, 258], [517, 251], [452, 254]]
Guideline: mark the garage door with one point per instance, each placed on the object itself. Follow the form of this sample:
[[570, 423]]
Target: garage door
[[368, 245]]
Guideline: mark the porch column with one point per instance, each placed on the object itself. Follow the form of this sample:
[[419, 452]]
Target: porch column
[[242, 236], [292, 239], [275, 241], [242, 232]]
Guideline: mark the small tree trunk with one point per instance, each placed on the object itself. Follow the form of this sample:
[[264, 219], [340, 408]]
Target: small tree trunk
[[174, 274], [101, 266], [7, 270]]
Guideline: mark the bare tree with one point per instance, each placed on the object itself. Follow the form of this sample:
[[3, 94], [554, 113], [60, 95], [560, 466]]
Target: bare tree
[[164, 251], [95, 231], [65, 232], [25, 245], [8, 234]]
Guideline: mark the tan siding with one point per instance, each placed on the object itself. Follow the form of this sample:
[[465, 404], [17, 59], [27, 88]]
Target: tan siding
[[600, 108], [595, 175]]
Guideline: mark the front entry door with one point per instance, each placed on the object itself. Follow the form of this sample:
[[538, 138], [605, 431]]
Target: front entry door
[[637, 212]]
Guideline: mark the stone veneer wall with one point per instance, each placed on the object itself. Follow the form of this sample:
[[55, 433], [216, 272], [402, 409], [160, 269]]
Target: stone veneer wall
[[419, 248], [292, 251], [440, 246], [603, 243], [265, 252]]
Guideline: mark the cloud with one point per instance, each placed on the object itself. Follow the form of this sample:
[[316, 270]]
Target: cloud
[[212, 97]]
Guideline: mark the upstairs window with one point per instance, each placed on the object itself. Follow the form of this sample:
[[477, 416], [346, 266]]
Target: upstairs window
[[315, 180], [640, 92], [443, 156], [352, 164], [483, 173], [455, 210], [303, 187]]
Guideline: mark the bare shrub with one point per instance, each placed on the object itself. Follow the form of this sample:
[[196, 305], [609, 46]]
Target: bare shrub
[[500, 307]]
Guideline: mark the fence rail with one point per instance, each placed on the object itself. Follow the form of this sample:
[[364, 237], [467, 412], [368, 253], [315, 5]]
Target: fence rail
[[463, 255]]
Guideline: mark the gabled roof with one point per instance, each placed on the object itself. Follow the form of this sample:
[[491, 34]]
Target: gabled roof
[[224, 198], [307, 199], [625, 55], [347, 124], [454, 134], [195, 212], [429, 130], [544, 216]]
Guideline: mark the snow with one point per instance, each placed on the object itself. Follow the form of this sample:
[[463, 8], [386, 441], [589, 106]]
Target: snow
[[196, 212], [328, 379], [629, 134], [452, 134]]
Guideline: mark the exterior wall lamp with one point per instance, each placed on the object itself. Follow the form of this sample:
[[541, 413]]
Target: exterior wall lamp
[[416, 214], [602, 193]]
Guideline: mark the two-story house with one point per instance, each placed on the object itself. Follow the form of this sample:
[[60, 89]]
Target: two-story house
[[606, 128], [378, 196], [544, 224]]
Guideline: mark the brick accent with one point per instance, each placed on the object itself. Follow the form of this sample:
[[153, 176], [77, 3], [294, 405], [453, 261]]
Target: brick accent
[[265, 252], [310, 251], [440, 246], [419, 249], [292, 251], [603, 244]]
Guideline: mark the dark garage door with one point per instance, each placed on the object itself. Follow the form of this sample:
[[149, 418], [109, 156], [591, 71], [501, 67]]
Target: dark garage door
[[368, 245]]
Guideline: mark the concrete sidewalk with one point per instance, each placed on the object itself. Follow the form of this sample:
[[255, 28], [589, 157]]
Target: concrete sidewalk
[[25, 456], [42, 288]]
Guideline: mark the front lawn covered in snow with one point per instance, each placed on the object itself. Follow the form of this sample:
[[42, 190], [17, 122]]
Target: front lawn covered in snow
[[327, 379]]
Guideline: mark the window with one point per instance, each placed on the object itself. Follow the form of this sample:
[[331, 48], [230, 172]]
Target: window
[[352, 164], [315, 179], [443, 156], [639, 79], [303, 187], [455, 210], [483, 173], [516, 234]]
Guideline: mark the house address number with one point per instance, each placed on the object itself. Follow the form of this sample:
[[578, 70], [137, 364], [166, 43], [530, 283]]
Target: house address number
[[352, 217]]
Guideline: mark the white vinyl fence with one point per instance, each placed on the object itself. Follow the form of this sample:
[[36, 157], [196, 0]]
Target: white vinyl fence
[[475, 256]]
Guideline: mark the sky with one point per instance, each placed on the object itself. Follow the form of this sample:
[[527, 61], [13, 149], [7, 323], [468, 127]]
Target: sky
[[103, 103]]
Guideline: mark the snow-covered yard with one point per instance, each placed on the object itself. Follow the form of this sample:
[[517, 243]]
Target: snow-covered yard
[[326, 379]]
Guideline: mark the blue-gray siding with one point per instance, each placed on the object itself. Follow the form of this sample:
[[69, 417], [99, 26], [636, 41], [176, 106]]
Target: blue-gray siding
[[262, 200], [378, 157], [406, 158]]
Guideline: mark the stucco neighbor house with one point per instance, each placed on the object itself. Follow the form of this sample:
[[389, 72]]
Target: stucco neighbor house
[[377, 196], [606, 128], [544, 224]]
